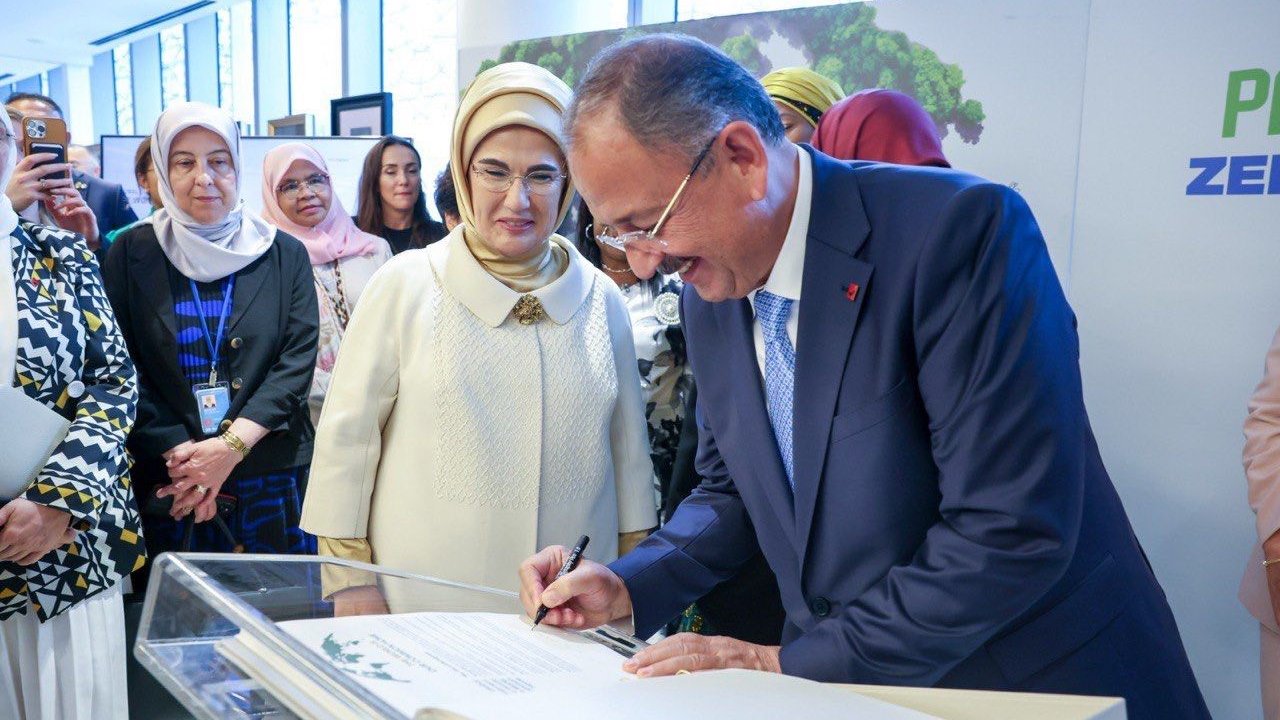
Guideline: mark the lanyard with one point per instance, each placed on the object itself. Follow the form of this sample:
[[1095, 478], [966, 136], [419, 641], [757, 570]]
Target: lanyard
[[215, 344]]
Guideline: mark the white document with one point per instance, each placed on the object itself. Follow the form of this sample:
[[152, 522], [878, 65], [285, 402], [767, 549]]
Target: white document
[[483, 665], [477, 665]]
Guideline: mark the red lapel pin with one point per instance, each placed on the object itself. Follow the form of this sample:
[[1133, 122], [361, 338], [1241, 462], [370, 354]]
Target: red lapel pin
[[851, 292]]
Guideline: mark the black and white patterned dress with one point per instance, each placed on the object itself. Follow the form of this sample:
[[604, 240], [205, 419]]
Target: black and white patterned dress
[[665, 377], [72, 358]]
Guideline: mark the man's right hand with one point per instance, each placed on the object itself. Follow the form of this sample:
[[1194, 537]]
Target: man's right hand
[[29, 183], [591, 595]]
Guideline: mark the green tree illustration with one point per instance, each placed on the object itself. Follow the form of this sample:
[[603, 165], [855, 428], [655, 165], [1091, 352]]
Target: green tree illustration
[[841, 42], [746, 52]]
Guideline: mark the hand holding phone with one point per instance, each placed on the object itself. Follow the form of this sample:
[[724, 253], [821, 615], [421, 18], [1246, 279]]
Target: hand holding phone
[[34, 180], [47, 135]]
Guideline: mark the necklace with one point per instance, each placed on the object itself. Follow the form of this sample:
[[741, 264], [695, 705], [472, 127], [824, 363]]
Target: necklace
[[615, 271]]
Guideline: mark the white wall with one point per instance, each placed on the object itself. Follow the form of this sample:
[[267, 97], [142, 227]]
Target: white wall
[[1178, 298], [497, 22], [493, 23]]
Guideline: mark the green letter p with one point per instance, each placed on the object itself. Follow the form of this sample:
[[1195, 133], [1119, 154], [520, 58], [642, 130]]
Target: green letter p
[[1237, 104]]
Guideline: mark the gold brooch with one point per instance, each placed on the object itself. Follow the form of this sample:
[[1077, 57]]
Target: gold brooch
[[528, 310]]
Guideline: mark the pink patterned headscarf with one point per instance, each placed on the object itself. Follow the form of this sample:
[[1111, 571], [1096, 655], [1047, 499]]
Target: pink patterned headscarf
[[336, 236]]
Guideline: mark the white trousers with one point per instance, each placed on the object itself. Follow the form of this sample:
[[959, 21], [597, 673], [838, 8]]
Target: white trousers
[[72, 667]]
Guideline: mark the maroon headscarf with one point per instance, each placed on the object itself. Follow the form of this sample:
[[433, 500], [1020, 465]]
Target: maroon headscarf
[[880, 125]]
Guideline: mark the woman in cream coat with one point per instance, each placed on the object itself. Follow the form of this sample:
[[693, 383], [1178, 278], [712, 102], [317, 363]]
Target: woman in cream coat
[[1260, 589], [485, 403]]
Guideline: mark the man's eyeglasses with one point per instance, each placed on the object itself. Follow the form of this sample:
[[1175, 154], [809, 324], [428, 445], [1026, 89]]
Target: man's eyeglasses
[[315, 184], [5, 134], [648, 239], [538, 182]]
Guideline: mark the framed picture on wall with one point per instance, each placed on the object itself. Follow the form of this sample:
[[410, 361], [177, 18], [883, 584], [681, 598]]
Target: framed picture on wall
[[361, 115], [302, 125]]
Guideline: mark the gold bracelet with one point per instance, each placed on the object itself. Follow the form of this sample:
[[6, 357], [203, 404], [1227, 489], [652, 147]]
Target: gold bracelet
[[235, 443], [1269, 563]]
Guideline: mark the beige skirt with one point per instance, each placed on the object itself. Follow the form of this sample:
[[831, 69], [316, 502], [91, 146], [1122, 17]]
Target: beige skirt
[[72, 667]]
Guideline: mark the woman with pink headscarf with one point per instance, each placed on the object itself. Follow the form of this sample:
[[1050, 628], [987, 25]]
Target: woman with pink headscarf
[[880, 125], [298, 198]]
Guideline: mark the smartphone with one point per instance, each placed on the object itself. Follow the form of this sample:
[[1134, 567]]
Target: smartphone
[[46, 135]]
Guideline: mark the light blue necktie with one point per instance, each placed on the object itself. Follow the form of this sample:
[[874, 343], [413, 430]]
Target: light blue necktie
[[772, 312]]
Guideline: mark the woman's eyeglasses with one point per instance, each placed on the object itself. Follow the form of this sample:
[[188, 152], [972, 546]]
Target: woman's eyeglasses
[[315, 184], [538, 182]]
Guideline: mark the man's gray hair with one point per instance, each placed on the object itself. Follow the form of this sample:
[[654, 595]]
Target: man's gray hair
[[672, 92]]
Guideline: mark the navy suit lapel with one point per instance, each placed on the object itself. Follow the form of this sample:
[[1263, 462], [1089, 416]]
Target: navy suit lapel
[[834, 290], [748, 411]]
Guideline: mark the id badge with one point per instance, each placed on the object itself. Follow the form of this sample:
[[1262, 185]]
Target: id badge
[[213, 400]]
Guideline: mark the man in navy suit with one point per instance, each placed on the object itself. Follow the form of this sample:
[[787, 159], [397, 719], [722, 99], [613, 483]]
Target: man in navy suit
[[889, 408]]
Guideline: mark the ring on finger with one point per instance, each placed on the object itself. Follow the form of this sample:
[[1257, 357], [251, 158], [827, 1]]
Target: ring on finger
[[202, 490], [43, 183]]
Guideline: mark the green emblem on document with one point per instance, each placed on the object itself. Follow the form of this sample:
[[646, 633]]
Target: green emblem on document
[[339, 654]]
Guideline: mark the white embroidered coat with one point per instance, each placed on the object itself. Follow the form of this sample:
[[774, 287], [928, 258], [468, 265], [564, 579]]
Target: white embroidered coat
[[459, 442]]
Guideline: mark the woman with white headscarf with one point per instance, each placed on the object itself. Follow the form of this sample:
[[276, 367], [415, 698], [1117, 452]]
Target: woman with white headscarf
[[486, 400], [68, 540], [297, 197], [219, 311]]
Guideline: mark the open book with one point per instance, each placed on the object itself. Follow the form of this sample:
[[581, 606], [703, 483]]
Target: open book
[[484, 665]]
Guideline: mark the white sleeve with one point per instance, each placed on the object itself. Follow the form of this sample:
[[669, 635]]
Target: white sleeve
[[362, 393], [629, 433]]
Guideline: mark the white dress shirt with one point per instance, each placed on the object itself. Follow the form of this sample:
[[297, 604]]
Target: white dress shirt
[[787, 276]]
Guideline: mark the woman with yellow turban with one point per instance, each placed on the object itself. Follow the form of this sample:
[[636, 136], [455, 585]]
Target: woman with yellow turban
[[485, 402], [801, 96]]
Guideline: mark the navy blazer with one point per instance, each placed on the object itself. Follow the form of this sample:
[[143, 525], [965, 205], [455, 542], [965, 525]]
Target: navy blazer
[[952, 522], [271, 353], [107, 200]]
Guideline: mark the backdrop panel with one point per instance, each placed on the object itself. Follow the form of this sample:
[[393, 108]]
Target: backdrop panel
[[981, 69], [1177, 299]]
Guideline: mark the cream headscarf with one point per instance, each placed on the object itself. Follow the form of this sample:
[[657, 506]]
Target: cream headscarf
[[336, 236], [204, 252], [803, 90], [505, 95]]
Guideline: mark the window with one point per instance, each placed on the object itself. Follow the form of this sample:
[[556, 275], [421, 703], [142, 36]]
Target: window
[[224, 60], [698, 9], [315, 58], [124, 89], [173, 65], [420, 70], [235, 62]]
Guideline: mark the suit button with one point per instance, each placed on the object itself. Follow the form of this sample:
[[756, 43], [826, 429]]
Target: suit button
[[225, 425], [237, 384], [820, 606], [236, 343]]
